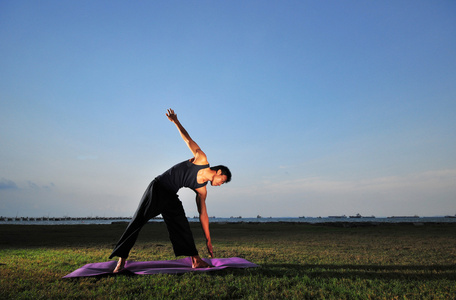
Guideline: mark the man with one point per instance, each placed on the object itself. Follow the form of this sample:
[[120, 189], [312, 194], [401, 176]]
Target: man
[[161, 197]]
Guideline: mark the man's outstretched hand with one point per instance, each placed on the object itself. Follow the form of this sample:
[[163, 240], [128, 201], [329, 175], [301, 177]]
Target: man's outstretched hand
[[171, 115]]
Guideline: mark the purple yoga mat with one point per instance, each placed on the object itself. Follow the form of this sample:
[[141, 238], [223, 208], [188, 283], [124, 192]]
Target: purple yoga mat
[[156, 267]]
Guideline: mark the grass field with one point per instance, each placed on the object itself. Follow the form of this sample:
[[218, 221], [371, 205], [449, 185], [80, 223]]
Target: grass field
[[298, 261]]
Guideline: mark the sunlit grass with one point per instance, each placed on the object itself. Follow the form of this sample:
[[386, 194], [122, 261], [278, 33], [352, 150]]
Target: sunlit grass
[[297, 261]]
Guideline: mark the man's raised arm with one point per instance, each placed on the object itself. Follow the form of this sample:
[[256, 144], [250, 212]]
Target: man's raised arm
[[184, 134]]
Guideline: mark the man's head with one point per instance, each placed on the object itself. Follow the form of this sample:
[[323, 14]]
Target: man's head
[[223, 175]]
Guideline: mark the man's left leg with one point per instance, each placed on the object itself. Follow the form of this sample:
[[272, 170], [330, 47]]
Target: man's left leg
[[180, 233]]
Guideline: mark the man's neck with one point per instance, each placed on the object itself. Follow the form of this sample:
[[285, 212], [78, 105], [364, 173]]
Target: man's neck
[[209, 174]]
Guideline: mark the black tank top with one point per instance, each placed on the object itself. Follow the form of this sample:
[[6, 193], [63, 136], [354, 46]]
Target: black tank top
[[182, 175]]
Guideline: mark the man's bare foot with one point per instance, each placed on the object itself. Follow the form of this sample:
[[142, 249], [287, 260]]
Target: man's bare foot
[[120, 265], [197, 262]]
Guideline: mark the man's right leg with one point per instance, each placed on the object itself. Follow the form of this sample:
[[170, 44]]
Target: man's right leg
[[146, 210], [128, 238]]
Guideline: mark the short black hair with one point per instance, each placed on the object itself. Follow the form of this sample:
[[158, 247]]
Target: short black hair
[[225, 171]]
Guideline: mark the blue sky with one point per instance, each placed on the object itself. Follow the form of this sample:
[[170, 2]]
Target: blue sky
[[318, 107]]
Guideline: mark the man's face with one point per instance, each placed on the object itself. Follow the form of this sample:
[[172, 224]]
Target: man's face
[[218, 180]]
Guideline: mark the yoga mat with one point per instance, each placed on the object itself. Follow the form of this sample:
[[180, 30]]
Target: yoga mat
[[156, 267]]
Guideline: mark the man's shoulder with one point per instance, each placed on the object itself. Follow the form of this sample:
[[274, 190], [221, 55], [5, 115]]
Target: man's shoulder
[[200, 158]]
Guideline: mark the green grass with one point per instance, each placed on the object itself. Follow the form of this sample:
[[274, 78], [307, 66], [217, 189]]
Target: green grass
[[298, 261]]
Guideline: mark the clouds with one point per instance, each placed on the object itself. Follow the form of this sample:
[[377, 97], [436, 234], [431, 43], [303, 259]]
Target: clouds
[[87, 157], [32, 199], [26, 198], [426, 193], [430, 180], [6, 184], [34, 186]]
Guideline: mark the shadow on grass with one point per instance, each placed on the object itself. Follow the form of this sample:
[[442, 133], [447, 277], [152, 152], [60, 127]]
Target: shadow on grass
[[436, 272]]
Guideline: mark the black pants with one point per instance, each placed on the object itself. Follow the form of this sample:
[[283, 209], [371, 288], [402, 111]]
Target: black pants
[[157, 200]]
